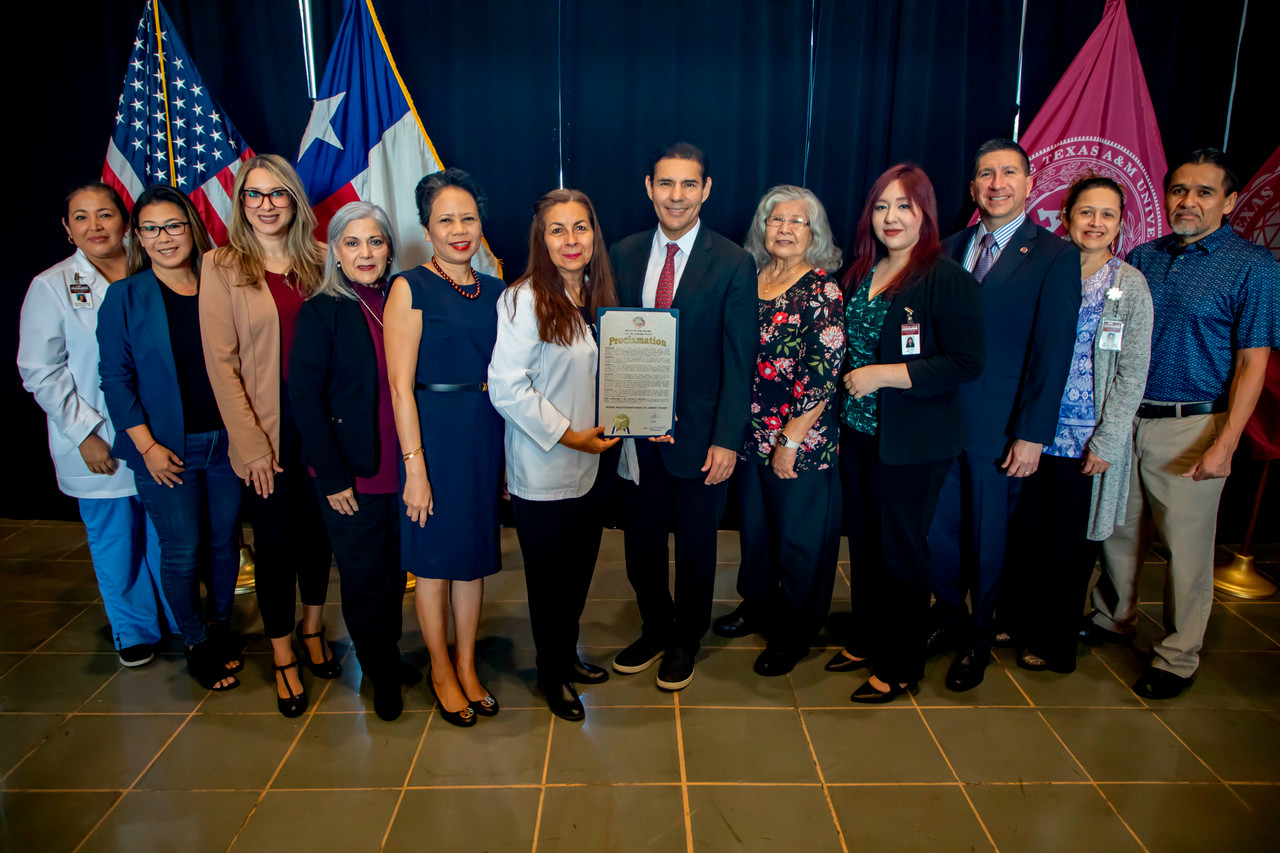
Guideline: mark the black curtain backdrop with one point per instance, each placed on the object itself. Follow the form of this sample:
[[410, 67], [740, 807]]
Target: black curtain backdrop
[[516, 90]]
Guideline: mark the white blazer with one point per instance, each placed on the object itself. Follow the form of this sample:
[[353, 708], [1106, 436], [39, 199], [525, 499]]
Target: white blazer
[[58, 360], [541, 390]]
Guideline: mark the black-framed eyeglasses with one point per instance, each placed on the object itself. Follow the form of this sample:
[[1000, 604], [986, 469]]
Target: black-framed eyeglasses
[[779, 221], [255, 198], [173, 229]]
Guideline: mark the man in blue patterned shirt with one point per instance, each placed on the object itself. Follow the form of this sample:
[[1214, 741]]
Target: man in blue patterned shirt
[[1216, 319]]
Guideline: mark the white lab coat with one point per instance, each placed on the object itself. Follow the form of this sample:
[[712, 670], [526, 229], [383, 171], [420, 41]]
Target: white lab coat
[[541, 390], [58, 360]]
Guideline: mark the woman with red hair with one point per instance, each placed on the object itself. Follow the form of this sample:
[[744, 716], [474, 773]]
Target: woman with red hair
[[913, 330]]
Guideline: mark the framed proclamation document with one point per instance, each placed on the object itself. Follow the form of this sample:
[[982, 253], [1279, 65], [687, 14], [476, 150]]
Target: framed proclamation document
[[636, 382]]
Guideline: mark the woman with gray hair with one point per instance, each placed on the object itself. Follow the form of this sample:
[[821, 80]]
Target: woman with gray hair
[[788, 486], [342, 402]]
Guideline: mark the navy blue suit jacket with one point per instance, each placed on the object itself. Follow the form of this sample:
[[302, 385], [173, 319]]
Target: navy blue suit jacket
[[1030, 307], [139, 376], [719, 340]]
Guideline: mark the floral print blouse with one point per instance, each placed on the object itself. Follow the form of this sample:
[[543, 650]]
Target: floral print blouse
[[801, 349]]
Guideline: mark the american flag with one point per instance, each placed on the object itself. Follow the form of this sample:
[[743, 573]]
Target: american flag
[[170, 130]]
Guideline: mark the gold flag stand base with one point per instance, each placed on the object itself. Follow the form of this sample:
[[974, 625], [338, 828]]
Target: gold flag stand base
[[244, 580], [411, 584], [1240, 579]]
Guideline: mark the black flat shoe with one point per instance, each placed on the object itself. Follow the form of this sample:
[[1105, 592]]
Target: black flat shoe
[[587, 673], [564, 702], [869, 695], [841, 662], [327, 668], [486, 707], [296, 703], [463, 718], [773, 662]]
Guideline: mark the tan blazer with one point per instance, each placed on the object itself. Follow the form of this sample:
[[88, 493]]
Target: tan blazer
[[240, 328]]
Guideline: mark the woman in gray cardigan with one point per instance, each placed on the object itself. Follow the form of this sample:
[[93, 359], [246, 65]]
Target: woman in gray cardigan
[[1078, 494]]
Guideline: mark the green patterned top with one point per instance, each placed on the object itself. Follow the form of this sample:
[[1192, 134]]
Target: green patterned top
[[863, 320]]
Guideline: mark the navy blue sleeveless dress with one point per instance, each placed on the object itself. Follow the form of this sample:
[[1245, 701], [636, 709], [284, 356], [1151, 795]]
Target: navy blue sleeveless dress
[[461, 432]]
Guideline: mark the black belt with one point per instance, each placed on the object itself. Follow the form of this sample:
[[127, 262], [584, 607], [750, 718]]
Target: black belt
[[1180, 410], [440, 386]]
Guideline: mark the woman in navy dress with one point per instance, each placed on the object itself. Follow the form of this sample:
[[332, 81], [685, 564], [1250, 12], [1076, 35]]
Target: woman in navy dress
[[440, 328]]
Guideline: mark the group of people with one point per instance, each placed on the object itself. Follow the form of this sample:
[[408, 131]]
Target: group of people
[[982, 415]]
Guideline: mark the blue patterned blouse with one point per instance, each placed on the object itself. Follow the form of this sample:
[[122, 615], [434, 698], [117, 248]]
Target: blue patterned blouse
[[1077, 418]]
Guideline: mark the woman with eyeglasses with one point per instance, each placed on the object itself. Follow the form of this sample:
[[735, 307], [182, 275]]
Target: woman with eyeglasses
[[58, 360], [342, 400], [168, 427], [788, 489], [251, 291]]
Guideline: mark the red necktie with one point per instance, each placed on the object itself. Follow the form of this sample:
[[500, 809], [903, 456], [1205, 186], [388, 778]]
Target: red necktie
[[667, 281]]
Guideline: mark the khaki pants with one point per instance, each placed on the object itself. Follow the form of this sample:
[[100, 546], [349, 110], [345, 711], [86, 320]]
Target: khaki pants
[[1185, 512]]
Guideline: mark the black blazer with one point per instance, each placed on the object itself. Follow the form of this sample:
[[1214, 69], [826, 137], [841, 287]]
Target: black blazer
[[719, 338], [1030, 307], [923, 423], [333, 385]]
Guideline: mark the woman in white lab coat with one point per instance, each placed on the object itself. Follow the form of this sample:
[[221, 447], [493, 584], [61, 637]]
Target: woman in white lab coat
[[58, 360]]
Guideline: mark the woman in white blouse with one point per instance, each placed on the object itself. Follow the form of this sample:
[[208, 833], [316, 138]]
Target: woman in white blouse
[[543, 381]]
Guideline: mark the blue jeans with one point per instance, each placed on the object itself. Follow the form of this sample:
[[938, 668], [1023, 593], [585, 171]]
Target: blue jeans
[[125, 552], [197, 519]]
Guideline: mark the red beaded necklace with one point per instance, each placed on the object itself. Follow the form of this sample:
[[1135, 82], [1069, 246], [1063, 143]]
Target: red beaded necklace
[[474, 275]]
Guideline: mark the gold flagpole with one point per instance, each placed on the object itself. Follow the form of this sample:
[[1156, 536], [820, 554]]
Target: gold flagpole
[[164, 91]]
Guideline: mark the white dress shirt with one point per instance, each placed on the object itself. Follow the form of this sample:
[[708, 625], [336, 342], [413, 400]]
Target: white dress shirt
[[58, 360], [658, 258]]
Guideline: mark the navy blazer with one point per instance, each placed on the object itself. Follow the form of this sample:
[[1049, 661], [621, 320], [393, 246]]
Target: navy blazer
[[1030, 306], [719, 339], [924, 423], [333, 385], [136, 367]]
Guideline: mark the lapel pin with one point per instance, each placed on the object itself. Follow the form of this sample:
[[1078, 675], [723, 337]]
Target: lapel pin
[[1023, 250]]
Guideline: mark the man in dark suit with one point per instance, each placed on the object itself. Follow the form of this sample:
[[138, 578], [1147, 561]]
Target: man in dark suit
[[1031, 300], [683, 480]]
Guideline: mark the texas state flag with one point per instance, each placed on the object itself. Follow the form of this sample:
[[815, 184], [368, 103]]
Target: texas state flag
[[365, 141]]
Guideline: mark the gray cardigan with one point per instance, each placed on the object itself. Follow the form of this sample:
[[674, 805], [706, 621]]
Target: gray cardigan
[[1119, 379]]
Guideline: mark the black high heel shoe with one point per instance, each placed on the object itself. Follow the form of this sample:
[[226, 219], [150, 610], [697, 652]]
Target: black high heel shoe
[[296, 704], [843, 663], [327, 668], [869, 695]]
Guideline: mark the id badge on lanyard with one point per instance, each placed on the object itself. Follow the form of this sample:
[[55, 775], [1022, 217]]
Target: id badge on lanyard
[[910, 335], [80, 293]]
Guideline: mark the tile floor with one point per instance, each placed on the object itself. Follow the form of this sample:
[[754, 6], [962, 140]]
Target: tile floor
[[95, 757]]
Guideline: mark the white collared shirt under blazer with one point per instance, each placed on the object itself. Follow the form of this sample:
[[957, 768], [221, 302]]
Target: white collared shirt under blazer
[[58, 360], [541, 390]]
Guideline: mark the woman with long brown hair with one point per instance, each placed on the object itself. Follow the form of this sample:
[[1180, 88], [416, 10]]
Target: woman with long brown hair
[[250, 293], [913, 329], [559, 469]]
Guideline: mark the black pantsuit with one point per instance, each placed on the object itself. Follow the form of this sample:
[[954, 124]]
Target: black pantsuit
[[661, 504], [888, 509], [1050, 561], [790, 537], [560, 541], [290, 544], [367, 548]]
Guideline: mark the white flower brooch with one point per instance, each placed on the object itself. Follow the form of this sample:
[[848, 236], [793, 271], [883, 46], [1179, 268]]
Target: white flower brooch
[[1114, 293]]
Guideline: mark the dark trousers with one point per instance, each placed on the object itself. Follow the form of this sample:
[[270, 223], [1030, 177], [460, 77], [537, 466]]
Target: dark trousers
[[1050, 561], [790, 535], [968, 539], [560, 541], [197, 522], [367, 548], [661, 504], [290, 545], [888, 510]]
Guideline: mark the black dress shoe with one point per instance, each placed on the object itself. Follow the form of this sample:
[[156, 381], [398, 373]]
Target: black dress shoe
[[778, 660], [867, 694], [388, 701], [841, 662], [587, 673], [1160, 684], [733, 625], [940, 640], [563, 701], [968, 669]]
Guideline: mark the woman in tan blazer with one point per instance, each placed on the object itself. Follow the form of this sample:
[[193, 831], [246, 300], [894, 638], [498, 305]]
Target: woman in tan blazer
[[250, 292]]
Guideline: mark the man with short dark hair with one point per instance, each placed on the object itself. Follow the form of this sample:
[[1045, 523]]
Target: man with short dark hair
[[683, 485], [1216, 319], [1030, 301]]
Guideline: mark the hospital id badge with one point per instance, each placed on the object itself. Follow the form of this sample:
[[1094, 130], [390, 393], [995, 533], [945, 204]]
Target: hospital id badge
[[910, 336], [80, 293], [1111, 335]]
